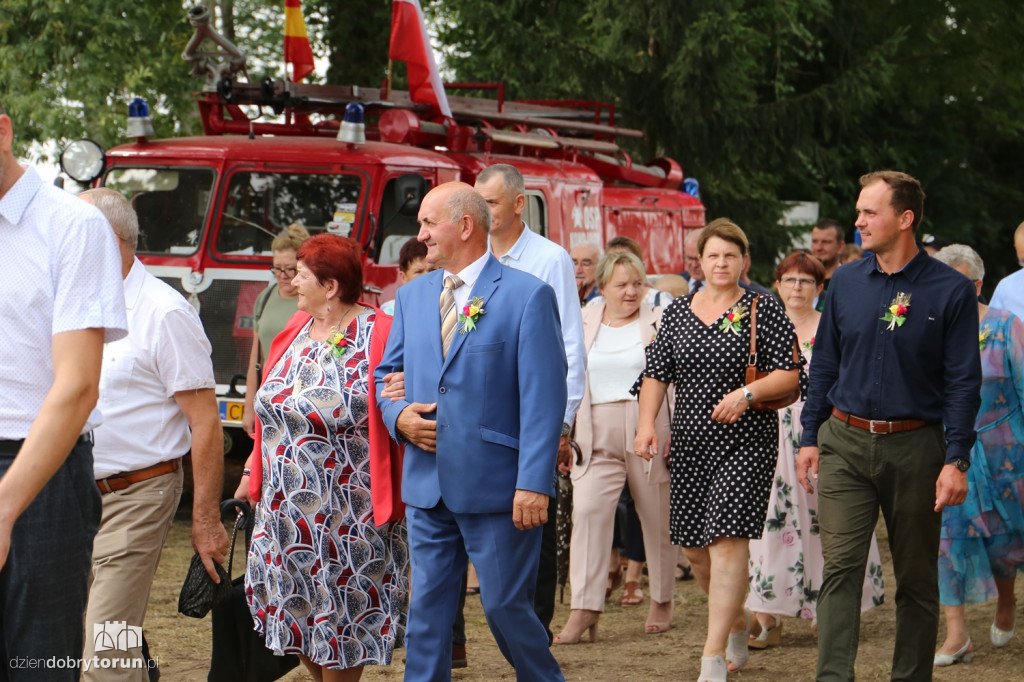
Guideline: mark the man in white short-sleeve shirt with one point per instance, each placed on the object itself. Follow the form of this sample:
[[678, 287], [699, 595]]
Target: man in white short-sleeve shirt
[[60, 300], [157, 396]]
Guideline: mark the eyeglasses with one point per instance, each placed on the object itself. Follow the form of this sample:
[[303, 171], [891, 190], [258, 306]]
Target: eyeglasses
[[795, 282], [287, 272]]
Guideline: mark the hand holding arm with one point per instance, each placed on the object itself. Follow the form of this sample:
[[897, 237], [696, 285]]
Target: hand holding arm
[[394, 386]]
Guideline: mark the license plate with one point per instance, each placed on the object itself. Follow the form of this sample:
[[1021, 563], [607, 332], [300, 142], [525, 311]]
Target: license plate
[[231, 411]]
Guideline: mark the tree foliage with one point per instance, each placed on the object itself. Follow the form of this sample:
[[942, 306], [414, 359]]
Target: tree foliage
[[772, 100], [762, 100]]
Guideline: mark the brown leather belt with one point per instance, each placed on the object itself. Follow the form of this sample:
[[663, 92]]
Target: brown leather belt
[[113, 484], [878, 426]]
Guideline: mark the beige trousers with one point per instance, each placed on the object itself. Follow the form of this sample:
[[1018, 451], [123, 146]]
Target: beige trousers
[[595, 496], [125, 555]]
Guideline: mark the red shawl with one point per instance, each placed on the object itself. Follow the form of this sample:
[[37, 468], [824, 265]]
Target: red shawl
[[385, 453]]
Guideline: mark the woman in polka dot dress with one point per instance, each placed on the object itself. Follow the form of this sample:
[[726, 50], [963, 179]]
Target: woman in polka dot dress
[[722, 454]]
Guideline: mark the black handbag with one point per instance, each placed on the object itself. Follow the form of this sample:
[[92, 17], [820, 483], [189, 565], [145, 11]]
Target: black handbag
[[238, 651]]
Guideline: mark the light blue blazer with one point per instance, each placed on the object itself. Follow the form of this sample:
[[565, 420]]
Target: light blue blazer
[[500, 394]]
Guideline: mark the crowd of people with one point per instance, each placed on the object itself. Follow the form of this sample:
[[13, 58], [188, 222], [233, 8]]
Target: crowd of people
[[759, 430]]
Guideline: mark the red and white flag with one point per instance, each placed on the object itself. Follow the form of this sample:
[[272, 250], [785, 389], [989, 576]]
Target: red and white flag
[[410, 44], [297, 51]]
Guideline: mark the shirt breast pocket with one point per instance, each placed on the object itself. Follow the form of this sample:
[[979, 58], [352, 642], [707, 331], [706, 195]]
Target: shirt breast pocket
[[117, 374]]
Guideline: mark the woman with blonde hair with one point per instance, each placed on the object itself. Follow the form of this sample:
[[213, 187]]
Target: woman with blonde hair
[[616, 332], [271, 311]]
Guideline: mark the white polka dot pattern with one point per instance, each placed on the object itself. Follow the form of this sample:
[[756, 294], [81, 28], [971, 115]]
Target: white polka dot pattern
[[721, 473], [62, 273]]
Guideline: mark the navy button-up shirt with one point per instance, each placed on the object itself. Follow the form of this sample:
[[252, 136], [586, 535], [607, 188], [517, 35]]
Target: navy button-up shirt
[[929, 368]]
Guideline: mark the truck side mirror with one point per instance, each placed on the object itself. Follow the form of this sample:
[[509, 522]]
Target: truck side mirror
[[409, 192]]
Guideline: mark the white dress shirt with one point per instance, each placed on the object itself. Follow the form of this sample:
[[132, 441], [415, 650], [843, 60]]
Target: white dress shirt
[[166, 351], [62, 273], [549, 262], [469, 275]]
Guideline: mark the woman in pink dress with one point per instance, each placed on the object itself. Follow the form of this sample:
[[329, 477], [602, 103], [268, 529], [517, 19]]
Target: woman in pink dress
[[786, 563]]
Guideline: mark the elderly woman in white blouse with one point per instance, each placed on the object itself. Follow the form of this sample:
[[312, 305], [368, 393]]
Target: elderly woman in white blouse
[[616, 332]]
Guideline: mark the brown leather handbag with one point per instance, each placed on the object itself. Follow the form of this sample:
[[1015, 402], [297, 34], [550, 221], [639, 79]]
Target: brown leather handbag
[[753, 374]]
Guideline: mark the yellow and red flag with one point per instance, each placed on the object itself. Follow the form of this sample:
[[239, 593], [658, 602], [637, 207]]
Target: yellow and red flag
[[297, 51], [410, 44]]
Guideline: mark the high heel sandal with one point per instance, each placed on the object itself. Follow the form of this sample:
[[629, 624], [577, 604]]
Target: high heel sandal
[[736, 651], [713, 669], [766, 637], [632, 594], [964, 656], [653, 626], [565, 637]]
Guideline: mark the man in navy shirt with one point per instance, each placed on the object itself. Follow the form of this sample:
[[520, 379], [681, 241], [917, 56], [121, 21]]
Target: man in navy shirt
[[889, 423]]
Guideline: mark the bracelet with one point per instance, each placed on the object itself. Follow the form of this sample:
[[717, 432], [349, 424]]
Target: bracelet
[[246, 471]]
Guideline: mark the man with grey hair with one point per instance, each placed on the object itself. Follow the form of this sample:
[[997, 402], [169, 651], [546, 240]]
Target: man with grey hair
[[514, 244], [57, 308], [584, 259], [485, 393], [692, 260], [157, 396]]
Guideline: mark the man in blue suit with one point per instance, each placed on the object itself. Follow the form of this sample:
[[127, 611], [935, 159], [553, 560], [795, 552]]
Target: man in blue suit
[[482, 419]]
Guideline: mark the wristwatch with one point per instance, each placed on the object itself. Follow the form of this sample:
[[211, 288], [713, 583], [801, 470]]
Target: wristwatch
[[748, 395], [566, 429], [962, 464]]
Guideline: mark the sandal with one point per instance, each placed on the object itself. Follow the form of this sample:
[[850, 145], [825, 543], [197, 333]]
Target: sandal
[[684, 572], [614, 580], [660, 617], [736, 652], [765, 637], [633, 594]]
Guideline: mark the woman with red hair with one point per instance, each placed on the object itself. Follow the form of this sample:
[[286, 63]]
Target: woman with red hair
[[327, 576]]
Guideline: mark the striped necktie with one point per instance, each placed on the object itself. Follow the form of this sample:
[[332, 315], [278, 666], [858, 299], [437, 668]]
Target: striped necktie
[[449, 316]]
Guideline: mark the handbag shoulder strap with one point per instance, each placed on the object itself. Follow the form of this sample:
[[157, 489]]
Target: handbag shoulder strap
[[753, 332]]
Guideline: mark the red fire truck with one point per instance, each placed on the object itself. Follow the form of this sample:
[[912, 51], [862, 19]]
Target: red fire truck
[[357, 161]]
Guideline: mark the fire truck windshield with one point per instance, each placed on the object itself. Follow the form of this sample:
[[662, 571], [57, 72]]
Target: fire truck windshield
[[172, 204], [258, 205]]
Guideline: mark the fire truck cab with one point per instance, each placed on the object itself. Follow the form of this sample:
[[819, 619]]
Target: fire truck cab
[[357, 162]]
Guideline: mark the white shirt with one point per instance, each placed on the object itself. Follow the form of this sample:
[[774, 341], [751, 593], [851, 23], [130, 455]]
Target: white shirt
[[62, 273], [550, 263], [616, 359], [1009, 294], [469, 275], [166, 351]]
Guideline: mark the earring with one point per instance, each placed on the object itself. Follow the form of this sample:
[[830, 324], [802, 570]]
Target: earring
[[328, 307]]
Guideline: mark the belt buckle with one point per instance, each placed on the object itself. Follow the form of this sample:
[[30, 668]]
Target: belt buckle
[[871, 426]]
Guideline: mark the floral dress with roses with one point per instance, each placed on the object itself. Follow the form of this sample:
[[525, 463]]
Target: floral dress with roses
[[323, 579], [786, 564]]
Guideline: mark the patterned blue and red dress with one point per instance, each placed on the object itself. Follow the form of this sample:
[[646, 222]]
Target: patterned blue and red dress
[[322, 579]]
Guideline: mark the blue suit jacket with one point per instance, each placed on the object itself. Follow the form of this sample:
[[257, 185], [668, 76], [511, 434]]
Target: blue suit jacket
[[500, 394]]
